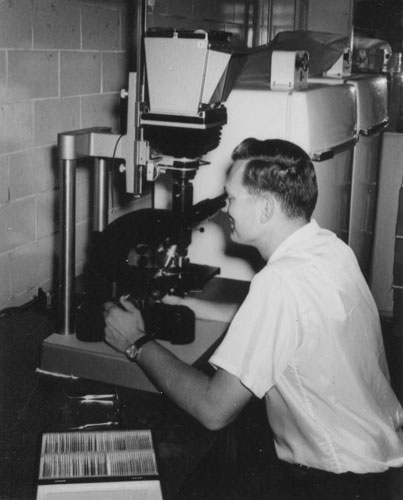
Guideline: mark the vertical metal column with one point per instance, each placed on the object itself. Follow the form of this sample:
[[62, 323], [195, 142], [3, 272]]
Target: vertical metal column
[[68, 243], [101, 194]]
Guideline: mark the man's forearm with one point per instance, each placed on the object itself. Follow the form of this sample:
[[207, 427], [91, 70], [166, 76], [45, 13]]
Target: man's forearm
[[214, 401], [191, 389]]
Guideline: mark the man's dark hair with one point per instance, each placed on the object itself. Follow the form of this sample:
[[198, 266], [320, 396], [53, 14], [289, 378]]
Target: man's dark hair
[[283, 169]]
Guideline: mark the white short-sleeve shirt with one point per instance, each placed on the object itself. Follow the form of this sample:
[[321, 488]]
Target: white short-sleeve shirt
[[308, 339]]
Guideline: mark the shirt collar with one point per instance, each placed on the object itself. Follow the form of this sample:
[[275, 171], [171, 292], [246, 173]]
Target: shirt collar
[[304, 233]]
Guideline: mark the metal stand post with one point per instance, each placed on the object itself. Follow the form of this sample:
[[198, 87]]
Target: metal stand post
[[101, 194], [68, 241]]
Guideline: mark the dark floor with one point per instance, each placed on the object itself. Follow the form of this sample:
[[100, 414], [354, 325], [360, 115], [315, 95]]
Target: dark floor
[[234, 467]]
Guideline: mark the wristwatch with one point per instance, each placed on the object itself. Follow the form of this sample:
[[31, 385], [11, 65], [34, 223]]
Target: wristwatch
[[133, 350]]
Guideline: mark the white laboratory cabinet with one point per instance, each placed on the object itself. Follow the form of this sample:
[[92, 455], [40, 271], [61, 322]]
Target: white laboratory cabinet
[[321, 119], [372, 119], [390, 182]]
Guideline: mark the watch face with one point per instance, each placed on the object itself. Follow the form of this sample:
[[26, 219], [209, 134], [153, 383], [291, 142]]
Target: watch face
[[131, 352]]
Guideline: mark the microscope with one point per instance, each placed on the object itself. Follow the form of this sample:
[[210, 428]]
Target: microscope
[[175, 113]]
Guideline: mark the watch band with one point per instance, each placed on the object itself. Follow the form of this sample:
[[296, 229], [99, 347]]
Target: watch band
[[133, 350], [143, 340]]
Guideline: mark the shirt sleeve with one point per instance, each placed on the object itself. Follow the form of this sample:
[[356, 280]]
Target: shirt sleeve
[[263, 335]]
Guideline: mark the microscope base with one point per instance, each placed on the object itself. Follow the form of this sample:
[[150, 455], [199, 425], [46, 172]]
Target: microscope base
[[68, 356]]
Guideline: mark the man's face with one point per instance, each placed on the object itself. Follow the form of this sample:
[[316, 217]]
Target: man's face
[[243, 209]]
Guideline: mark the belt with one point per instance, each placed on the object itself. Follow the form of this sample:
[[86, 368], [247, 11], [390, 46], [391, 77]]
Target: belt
[[300, 470]]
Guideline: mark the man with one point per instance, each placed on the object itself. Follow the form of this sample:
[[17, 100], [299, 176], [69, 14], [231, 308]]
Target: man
[[307, 338]]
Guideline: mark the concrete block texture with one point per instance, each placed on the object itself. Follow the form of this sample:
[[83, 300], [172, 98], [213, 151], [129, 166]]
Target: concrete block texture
[[17, 224], [32, 74], [46, 168], [32, 264], [127, 28], [101, 110], [3, 75], [4, 184], [16, 24], [100, 28], [80, 73], [114, 71], [53, 116], [56, 24], [23, 181], [62, 66], [16, 125], [47, 213]]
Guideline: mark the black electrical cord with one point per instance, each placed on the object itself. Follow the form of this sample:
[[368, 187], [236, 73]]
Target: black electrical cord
[[112, 165]]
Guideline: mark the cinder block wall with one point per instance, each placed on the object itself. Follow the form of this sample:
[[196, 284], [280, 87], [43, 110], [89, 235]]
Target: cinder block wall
[[62, 66]]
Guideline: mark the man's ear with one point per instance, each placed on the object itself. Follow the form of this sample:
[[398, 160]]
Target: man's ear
[[267, 208]]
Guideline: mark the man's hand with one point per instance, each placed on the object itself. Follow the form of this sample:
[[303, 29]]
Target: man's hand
[[124, 324]]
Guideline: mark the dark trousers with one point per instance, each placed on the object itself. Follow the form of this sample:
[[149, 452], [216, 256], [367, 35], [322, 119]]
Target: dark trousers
[[294, 482]]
